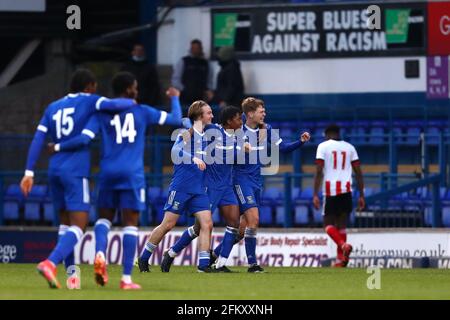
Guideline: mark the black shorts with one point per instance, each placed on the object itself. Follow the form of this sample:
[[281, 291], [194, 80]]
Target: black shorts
[[337, 205]]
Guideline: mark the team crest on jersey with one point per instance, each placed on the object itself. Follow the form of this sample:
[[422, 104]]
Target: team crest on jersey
[[250, 199], [176, 205]]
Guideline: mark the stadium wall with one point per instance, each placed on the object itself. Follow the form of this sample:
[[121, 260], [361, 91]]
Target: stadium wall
[[288, 77], [295, 248]]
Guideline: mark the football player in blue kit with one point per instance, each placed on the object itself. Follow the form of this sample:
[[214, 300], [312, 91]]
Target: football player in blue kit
[[68, 172], [121, 180], [187, 190], [247, 179], [218, 179]]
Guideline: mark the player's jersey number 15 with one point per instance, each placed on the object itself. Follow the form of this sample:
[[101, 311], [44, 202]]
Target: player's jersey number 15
[[125, 130], [64, 122]]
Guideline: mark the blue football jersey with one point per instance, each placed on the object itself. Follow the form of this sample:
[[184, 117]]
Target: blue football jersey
[[63, 120], [123, 144], [187, 177], [248, 169], [222, 148]]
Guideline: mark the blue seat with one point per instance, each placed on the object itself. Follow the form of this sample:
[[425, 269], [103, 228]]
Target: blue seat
[[271, 195], [317, 215], [433, 134], [413, 136], [446, 216], [301, 215], [49, 210], [279, 215], [376, 136], [265, 215], [295, 193], [318, 135], [307, 194], [32, 208], [398, 134], [358, 135], [286, 132], [12, 202]]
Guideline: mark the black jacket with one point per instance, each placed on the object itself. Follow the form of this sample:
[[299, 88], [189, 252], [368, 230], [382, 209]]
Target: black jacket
[[230, 85]]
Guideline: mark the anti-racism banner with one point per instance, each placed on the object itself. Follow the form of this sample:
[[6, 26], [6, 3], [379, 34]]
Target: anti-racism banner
[[325, 31]]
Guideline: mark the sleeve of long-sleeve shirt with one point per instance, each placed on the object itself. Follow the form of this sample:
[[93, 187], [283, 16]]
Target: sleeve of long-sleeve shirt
[[36, 144], [117, 104], [155, 116], [177, 75], [86, 136]]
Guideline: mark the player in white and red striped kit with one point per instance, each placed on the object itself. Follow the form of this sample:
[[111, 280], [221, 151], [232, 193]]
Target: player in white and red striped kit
[[335, 160]]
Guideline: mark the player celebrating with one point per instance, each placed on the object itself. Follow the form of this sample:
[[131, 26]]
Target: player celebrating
[[247, 176], [334, 162], [219, 184], [68, 171], [187, 190], [122, 186]]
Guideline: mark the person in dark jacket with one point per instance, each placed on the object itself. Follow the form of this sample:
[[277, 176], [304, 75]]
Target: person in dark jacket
[[193, 75], [230, 85], [146, 75]]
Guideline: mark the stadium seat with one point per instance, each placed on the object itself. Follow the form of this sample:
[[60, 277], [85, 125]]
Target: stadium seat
[[49, 210], [317, 215], [159, 208], [318, 135], [265, 215], [358, 135], [433, 134], [446, 217], [32, 208], [12, 202], [376, 136], [301, 215], [271, 195], [398, 138], [279, 215], [307, 194], [413, 135]]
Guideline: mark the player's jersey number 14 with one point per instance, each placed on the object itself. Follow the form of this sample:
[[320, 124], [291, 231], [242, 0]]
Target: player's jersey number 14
[[125, 130]]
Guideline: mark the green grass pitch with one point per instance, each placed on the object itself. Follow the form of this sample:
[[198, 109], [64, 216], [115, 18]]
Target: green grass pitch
[[21, 281]]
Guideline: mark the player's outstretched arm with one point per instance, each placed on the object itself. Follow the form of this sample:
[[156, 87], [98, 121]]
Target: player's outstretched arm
[[117, 104], [174, 117], [287, 147], [82, 140]]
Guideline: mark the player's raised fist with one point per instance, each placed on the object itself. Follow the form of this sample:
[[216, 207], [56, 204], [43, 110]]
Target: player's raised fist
[[173, 92], [200, 164], [26, 184], [305, 137], [316, 202]]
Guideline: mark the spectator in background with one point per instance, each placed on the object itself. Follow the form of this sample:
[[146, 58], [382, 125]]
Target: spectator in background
[[149, 90], [193, 75], [230, 85]]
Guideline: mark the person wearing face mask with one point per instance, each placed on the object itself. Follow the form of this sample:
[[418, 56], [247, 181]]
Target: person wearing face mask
[[193, 75], [146, 75]]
